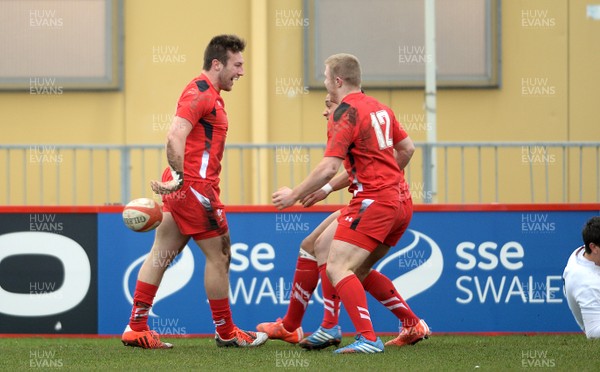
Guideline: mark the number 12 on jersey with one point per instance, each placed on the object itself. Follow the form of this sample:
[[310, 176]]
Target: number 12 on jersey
[[381, 119]]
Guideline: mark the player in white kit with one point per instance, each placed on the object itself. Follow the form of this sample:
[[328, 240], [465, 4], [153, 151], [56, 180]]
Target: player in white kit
[[582, 280]]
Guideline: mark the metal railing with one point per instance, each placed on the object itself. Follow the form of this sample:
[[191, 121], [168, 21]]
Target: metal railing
[[544, 163], [482, 172]]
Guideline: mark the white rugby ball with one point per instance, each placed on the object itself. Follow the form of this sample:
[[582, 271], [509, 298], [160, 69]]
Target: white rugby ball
[[142, 215]]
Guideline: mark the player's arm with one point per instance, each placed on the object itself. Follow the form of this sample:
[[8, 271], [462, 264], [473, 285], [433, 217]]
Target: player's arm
[[340, 136], [178, 131], [404, 152], [176, 137], [340, 181], [589, 304], [403, 145], [322, 174]]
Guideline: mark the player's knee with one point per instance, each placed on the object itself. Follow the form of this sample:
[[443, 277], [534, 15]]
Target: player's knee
[[334, 272], [593, 332], [361, 272], [219, 254], [330, 271], [321, 247], [308, 245]]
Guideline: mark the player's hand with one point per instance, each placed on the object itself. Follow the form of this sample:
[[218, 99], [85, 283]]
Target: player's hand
[[163, 188], [167, 187], [313, 198], [283, 198]]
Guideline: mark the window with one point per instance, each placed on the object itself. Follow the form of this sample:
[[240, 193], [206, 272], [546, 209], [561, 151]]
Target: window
[[388, 37], [60, 44]]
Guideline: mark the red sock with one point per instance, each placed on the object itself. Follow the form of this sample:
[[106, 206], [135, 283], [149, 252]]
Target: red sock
[[304, 284], [382, 288], [353, 297], [331, 300], [143, 298], [221, 314]]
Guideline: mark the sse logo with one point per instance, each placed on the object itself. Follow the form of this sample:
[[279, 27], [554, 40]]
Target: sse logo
[[495, 273], [177, 276], [421, 260]]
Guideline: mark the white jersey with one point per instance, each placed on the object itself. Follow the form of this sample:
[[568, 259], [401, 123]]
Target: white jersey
[[582, 289]]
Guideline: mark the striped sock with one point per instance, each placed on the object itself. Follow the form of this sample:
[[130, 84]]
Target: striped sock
[[383, 290], [143, 298], [353, 297], [331, 300], [304, 284], [221, 314]]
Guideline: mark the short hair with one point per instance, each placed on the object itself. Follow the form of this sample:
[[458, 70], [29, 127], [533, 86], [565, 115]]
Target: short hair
[[346, 66], [591, 233], [218, 48]]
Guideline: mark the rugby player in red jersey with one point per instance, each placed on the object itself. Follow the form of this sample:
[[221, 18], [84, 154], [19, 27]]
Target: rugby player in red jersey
[[191, 205], [365, 136], [311, 264]]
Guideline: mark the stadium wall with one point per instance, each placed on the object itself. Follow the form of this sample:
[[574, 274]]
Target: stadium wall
[[163, 46], [473, 269]]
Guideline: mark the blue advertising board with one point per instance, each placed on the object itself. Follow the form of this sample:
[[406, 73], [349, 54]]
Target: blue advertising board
[[462, 271]]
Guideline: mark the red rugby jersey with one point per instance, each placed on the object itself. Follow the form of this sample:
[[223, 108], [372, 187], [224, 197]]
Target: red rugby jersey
[[363, 131], [202, 105]]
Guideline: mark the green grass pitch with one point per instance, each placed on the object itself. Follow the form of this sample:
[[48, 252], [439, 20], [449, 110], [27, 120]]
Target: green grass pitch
[[439, 353]]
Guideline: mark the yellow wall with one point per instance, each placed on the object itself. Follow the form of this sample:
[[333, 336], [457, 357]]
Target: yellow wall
[[163, 47]]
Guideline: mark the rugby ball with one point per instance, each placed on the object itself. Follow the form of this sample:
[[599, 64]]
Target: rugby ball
[[142, 215]]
